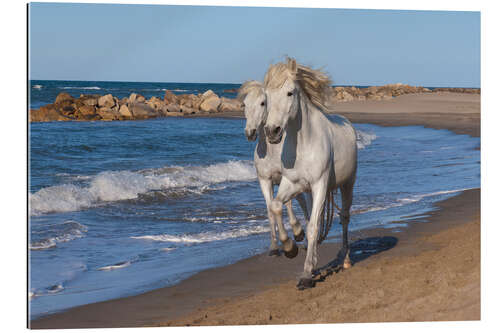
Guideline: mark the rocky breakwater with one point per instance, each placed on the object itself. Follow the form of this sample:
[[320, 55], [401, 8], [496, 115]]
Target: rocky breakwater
[[109, 108], [387, 92]]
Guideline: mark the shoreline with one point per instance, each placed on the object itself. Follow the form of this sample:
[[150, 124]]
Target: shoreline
[[218, 293], [227, 295]]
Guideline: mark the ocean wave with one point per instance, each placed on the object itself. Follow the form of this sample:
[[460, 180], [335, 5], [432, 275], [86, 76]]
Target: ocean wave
[[119, 265], [364, 139], [404, 201], [205, 236], [37, 86], [109, 186], [82, 88], [56, 233]]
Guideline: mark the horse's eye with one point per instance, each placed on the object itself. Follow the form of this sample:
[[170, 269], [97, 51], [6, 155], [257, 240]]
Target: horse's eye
[[262, 104], [290, 93], [243, 105]]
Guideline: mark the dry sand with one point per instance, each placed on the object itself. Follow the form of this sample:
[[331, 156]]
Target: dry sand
[[428, 271]]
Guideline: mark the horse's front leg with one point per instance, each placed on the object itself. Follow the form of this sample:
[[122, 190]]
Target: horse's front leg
[[287, 190], [266, 187], [298, 232], [318, 201]]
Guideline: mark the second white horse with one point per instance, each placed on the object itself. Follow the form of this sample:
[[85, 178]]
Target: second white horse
[[268, 165]]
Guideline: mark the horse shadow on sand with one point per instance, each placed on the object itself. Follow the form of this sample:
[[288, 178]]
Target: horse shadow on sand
[[360, 250]]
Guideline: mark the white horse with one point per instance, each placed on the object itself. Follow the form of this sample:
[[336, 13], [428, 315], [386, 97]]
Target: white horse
[[268, 166], [318, 155]]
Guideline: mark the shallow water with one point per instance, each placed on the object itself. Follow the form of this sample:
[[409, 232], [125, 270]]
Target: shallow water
[[119, 208]]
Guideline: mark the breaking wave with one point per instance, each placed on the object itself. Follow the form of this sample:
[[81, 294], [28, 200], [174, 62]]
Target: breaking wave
[[56, 233], [83, 88], [119, 265], [205, 236], [364, 139], [112, 186]]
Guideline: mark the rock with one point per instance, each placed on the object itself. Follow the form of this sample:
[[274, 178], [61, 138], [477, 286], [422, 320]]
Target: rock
[[85, 112], [210, 103], [67, 110], [228, 104], [187, 110], [125, 112], [172, 108], [108, 113], [142, 110], [63, 97], [136, 98], [106, 101], [90, 101], [156, 103], [47, 113], [170, 97], [207, 94]]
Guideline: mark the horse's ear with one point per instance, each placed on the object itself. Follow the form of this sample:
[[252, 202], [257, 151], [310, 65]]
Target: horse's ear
[[292, 65]]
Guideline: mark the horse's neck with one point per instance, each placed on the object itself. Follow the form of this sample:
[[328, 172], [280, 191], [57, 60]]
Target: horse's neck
[[299, 130]]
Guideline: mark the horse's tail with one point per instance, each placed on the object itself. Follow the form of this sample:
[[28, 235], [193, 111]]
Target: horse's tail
[[327, 216]]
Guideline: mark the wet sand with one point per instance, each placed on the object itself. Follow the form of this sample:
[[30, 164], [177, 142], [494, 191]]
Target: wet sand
[[427, 271]]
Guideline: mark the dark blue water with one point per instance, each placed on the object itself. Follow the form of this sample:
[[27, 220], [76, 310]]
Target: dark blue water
[[119, 208]]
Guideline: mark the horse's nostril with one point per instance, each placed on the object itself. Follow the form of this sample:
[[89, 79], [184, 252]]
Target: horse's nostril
[[276, 130]]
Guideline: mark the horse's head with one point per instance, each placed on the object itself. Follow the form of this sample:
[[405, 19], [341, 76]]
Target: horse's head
[[285, 84], [254, 103], [282, 97]]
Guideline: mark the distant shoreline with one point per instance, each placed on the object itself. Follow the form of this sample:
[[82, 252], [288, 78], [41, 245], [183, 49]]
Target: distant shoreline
[[95, 107]]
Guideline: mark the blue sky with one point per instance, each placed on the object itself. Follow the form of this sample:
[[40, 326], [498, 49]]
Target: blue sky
[[232, 44]]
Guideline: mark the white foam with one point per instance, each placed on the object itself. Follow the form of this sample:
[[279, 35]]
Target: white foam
[[115, 266], [112, 186], [405, 201], [83, 88], [364, 139], [37, 86], [55, 288], [205, 236], [71, 230]]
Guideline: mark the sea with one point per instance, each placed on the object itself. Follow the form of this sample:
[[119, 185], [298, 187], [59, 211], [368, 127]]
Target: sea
[[121, 208]]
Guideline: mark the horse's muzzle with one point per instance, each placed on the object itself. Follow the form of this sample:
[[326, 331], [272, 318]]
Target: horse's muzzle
[[274, 134], [251, 134]]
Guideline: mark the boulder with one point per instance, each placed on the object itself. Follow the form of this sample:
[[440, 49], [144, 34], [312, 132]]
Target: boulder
[[85, 111], [106, 101], [125, 112], [170, 97], [228, 104], [210, 103], [173, 108], [108, 113], [142, 110], [187, 110], [64, 97], [46, 113], [136, 98]]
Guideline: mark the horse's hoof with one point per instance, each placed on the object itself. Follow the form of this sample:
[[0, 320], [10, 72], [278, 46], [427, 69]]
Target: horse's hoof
[[290, 248], [300, 236], [305, 284], [274, 253]]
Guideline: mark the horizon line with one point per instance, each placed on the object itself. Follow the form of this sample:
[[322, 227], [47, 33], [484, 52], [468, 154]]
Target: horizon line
[[333, 85]]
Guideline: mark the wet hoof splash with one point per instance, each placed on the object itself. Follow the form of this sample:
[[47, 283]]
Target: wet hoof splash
[[290, 248], [305, 284], [274, 253], [300, 236]]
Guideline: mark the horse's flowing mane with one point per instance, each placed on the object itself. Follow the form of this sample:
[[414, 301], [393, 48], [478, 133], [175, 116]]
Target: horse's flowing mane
[[248, 87], [313, 82]]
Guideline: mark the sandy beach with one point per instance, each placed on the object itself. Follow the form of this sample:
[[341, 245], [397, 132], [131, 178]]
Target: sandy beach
[[427, 271]]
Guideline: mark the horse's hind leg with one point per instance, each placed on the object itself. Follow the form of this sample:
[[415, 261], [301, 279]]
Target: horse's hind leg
[[345, 216], [298, 232]]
